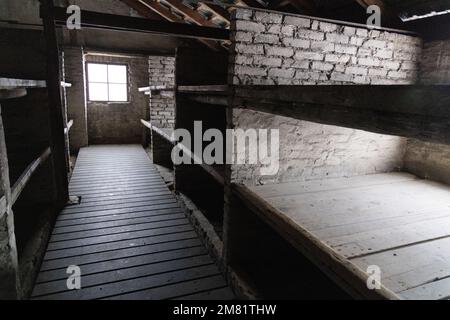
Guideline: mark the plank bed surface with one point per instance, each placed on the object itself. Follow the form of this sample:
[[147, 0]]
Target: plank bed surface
[[129, 236], [394, 221]]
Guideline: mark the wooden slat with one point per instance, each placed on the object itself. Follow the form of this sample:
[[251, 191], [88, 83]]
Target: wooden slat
[[128, 233], [22, 181], [9, 83], [412, 111]]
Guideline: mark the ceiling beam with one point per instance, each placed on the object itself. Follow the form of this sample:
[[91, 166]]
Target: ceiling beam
[[142, 10], [97, 20], [216, 9], [189, 13], [162, 11]]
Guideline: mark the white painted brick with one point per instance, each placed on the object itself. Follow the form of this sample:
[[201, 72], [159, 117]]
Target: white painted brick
[[279, 51], [378, 72], [309, 34], [268, 17], [242, 59], [273, 28], [297, 43], [337, 76], [371, 62], [244, 14], [297, 21], [249, 48], [250, 26], [266, 61], [374, 44], [322, 46], [322, 66], [327, 27], [362, 32], [287, 30], [337, 38], [267, 38], [356, 41], [356, 70], [346, 49], [349, 31], [251, 71], [391, 65], [384, 53], [305, 55], [282, 73], [243, 36], [334, 58]]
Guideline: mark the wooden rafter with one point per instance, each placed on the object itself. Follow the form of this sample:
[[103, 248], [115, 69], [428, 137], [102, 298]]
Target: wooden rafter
[[143, 10], [168, 15], [162, 11], [189, 13]]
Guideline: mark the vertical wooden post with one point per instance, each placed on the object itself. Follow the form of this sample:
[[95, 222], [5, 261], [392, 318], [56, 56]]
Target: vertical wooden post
[[57, 143], [9, 269]]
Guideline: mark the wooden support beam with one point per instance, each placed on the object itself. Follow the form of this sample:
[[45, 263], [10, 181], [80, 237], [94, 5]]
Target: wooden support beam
[[9, 83], [96, 20], [162, 11], [189, 13], [68, 127], [216, 9], [420, 112], [57, 123], [11, 94], [143, 10], [9, 267], [25, 177]]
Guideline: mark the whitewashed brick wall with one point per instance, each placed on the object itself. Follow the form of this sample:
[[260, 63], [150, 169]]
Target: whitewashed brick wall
[[271, 48], [162, 109], [281, 49]]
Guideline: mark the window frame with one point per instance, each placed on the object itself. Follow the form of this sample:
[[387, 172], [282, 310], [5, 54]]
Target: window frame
[[127, 84]]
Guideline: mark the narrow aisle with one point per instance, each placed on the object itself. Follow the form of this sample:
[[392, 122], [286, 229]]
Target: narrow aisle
[[129, 236]]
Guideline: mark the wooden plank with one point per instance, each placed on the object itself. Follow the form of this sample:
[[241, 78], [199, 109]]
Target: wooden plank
[[117, 237], [104, 247], [25, 177], [103, 232], [132, 285], [218, 89], [115, 264], [120, 253], [10, 83], [116, 212], [346, 274], [123, 274], [300, 187], [411, 266], [90, 19], [411, 111], [117, 223], [175, 290], [117, 218]]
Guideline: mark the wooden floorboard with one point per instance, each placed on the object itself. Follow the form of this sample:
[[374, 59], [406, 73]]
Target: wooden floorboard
[[394, 221], [129, 236]]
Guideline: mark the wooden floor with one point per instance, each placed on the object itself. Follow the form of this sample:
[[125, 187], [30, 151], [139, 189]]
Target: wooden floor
[[129, 236], [394, 221]]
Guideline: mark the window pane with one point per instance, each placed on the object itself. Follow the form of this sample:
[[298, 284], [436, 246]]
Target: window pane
[[98, 92], [117, 92], [97, 72], [117, 74]]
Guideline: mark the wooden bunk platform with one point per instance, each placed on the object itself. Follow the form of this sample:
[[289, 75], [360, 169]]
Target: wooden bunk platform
[[396, 222], [129, 236]]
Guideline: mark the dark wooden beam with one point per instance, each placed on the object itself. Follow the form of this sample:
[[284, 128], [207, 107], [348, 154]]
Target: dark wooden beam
[[96, 20], [142, 9], [57, 123], [421, 112], [190, 14], [162, 11], [217, 10]]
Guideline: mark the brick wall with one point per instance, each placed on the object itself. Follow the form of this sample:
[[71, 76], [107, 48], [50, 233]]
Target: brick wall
[[431, 160], [162, 109], [119, 122], [270, 48]]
